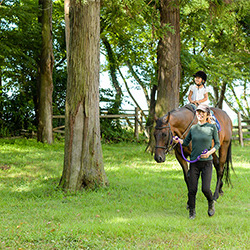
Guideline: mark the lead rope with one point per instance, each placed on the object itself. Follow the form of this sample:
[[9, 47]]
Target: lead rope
[[197, 159]]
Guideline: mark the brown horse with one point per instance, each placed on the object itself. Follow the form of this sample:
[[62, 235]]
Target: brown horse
[[177, 123]]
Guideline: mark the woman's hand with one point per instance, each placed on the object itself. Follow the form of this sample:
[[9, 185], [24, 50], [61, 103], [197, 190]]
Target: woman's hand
[[208, 153], [176, 139]]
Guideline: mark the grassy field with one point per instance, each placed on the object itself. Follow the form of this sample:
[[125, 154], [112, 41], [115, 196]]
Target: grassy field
[[143, 208]]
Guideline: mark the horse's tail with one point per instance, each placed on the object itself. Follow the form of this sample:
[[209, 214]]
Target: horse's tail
[[228, 163]]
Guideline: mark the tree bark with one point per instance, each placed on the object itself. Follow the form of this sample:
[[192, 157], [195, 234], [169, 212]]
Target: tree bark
[[169, 66], [222, 95], [67, 29], [168, 59], [45, 82], [83, 162]]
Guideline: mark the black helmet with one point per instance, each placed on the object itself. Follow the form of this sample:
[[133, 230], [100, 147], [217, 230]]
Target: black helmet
[[201, 74]]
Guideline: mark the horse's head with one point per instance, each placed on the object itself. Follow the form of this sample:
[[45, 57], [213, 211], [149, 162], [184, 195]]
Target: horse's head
[[163, 138]]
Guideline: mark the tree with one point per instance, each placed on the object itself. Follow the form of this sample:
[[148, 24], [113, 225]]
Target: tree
[[214, 39], [168, 58], [19, 52], [45, 82], [83, 163]]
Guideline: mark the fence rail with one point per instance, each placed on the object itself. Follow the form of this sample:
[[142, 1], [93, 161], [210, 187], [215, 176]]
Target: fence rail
[[136, 119]]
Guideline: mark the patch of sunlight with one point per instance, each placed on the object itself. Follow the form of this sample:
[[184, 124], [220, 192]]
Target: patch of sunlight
[[23, 188], [118, 220], [242, 165]]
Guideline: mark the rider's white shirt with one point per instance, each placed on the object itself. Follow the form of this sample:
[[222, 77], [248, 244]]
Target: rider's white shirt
[[198, 94]]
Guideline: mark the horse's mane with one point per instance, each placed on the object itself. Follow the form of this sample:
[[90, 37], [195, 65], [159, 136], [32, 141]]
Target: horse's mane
[[165, 118]]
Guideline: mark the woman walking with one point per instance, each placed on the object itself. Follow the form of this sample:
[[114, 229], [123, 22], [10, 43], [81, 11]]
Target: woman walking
[[201, 136]]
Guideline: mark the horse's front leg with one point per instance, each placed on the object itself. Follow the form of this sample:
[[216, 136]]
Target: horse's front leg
[[184, 166]]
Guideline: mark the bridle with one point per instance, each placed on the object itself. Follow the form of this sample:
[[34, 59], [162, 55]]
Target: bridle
[[170, 139], [169, 145]]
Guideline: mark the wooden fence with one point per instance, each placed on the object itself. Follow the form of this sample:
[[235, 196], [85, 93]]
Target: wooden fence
[[135, 119], [240, 131]]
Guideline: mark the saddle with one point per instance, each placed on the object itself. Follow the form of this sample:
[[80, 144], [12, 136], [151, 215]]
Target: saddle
[[192, 108]]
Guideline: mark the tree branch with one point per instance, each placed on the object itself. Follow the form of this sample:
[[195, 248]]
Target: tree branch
[[139, 81], [129, 92]]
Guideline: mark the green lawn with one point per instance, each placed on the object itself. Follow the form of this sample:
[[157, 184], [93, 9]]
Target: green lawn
[[143, 208]]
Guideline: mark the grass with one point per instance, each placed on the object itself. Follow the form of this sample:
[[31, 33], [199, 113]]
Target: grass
[[143, 208]]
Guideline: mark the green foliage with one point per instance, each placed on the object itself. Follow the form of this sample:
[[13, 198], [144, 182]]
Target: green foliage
[[143, 208], [18, 114], [214, 39], [132, 29], [19, 54]]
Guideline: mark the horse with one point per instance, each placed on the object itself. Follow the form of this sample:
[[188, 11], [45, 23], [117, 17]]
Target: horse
[[177, 123]]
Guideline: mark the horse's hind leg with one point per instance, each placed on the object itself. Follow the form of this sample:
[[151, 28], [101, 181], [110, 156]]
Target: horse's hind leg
[[219, 166]]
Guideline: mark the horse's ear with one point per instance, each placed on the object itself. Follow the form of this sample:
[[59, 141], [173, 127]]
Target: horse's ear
[[155, 117]]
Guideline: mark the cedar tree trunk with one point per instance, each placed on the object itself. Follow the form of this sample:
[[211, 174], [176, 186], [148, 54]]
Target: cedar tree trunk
[[83, 162], [168, 59], [45, 82]]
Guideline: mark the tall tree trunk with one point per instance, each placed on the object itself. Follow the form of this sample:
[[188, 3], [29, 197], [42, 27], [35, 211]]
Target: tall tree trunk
[[219, 97], [83, 162], [67, 29], [168, 59], [45, 82], [1, 100], [112, 71], [150, 121], [222, 95]]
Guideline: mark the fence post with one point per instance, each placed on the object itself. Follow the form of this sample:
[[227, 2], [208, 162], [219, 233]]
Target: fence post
[[240, 130], [136, 124], [141, 121]]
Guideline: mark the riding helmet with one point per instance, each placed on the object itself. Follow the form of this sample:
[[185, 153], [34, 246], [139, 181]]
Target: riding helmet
[[201, 74]]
